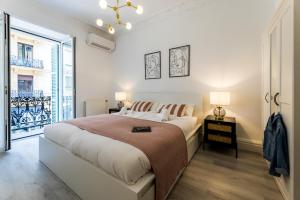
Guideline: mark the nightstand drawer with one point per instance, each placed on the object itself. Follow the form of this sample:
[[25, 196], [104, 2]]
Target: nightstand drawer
[[218, 138], [219, 127], [220, 132]]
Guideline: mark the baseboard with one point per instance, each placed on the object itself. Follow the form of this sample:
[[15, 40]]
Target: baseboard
[[281, 188], [250, 145]]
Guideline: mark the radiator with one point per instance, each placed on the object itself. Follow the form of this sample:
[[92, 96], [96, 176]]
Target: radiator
[[95, 107]]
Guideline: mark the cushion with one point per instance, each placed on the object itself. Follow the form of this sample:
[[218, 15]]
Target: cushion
[[154, 107], [189, 111], [173, 109], [141, 106], [164, 115], [123, 111]]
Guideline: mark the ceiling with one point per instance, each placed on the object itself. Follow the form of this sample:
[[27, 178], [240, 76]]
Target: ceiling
[[88, 11]]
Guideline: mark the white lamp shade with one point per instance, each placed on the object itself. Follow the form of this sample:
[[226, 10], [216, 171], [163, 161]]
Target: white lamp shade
[[220, 98], [120, 96]]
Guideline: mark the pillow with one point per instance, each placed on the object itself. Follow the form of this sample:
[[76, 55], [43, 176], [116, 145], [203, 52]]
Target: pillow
[[154, 107], [164, 115], [141, 106], [123, 111], [174, 109], [189, 111]]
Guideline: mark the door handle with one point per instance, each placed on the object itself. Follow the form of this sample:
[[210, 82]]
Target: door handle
[[267, 94], [275, 99]]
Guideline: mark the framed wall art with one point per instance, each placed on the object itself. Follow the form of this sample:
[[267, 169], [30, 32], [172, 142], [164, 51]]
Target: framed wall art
[[179, 61], [153, 65]]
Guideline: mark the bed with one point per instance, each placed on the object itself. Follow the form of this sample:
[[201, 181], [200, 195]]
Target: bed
[[91, 177]]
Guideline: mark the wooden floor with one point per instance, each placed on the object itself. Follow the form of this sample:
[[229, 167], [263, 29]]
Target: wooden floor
[[211, 175]]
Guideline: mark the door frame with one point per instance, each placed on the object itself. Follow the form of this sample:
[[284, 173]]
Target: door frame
[[7, 81], [73, 40], [60, 80], [74, 77]]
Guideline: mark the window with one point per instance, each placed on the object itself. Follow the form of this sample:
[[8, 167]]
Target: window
[[25, 51], [25, 85], [68, 82]]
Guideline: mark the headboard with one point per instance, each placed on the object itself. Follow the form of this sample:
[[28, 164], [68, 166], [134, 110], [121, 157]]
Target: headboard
[[167, 97]]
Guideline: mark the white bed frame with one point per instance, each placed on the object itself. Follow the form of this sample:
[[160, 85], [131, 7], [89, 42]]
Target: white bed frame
[[91, 182]]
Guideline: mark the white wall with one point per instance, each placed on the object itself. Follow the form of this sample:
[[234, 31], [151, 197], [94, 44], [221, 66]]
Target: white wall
[[225, 39], [93, 67]]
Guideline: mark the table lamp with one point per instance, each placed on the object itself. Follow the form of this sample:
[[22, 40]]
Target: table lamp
[[121, 97], [219, 99]]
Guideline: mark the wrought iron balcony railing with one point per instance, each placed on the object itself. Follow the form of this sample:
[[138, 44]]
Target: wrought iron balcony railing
[[29, 112], [35, 93], [32, 63]]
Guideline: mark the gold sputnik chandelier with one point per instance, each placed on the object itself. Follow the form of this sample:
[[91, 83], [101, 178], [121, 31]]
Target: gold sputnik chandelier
[[104, 5]]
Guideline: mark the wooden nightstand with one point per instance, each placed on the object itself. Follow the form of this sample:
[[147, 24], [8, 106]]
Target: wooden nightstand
[[220, 132], [114, 110]]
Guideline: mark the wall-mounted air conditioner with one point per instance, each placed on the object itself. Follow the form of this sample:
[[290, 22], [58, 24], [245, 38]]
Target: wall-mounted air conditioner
[[100, 42]]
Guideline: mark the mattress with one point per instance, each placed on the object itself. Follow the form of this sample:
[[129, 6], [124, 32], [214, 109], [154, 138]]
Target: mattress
[[121, 160]]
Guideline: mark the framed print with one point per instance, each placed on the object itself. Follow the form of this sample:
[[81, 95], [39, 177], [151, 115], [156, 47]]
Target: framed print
[[153, 65], [179, 61]]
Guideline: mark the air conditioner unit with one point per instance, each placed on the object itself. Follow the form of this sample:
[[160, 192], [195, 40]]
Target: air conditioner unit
[[100, 42]]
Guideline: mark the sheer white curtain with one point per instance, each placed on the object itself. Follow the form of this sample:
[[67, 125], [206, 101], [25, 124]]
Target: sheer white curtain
[[2, 97]]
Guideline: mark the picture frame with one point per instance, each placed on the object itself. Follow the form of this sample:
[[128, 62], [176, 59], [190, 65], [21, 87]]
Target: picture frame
[[153, 65], [179, 61]]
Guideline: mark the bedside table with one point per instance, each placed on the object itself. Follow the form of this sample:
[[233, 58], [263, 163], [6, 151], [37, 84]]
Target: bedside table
[[220, 132], [114, 110]]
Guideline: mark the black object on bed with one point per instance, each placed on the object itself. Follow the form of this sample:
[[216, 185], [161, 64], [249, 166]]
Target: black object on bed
[[141, 129]]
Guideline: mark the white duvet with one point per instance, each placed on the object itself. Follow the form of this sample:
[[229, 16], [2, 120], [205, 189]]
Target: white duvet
[[119, 159]]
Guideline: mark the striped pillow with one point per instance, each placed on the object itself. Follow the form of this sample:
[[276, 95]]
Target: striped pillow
[[174, 109], [141, 106]]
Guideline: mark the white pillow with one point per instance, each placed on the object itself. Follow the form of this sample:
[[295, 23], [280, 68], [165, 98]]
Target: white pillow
[[164, 115], [123, 111], [189, 111]]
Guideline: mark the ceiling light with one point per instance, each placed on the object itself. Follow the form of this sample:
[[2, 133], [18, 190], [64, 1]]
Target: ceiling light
[[111, 30], [103, 4], [128, 26], [99, 22], [116, 9], [139, 10]]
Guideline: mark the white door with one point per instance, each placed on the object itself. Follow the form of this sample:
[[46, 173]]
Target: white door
[[280, 77], [287, 92], [275, 63], [4, 83], [67, 96], [266, 80]]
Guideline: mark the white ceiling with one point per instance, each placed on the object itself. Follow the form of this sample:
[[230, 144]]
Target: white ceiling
[[88, 11]]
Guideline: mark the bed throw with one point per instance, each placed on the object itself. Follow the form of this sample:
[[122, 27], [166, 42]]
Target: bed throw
[[165, 146]]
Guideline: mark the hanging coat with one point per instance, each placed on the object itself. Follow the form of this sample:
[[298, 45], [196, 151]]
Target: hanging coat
[[276, 146]]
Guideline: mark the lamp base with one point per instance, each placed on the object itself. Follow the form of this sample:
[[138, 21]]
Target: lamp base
[[120, 104], [219, 113]]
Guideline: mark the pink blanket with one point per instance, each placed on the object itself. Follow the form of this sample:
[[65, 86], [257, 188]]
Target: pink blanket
[[165, 146]]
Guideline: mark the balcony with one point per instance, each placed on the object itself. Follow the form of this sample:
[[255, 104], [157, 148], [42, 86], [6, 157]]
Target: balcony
[[34, 63], [30, 112]]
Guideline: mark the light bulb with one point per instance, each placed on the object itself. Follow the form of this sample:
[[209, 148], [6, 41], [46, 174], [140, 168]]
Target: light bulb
[[111, 30], [139, 10], [99, 22], [103, 4], [128, 26]]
